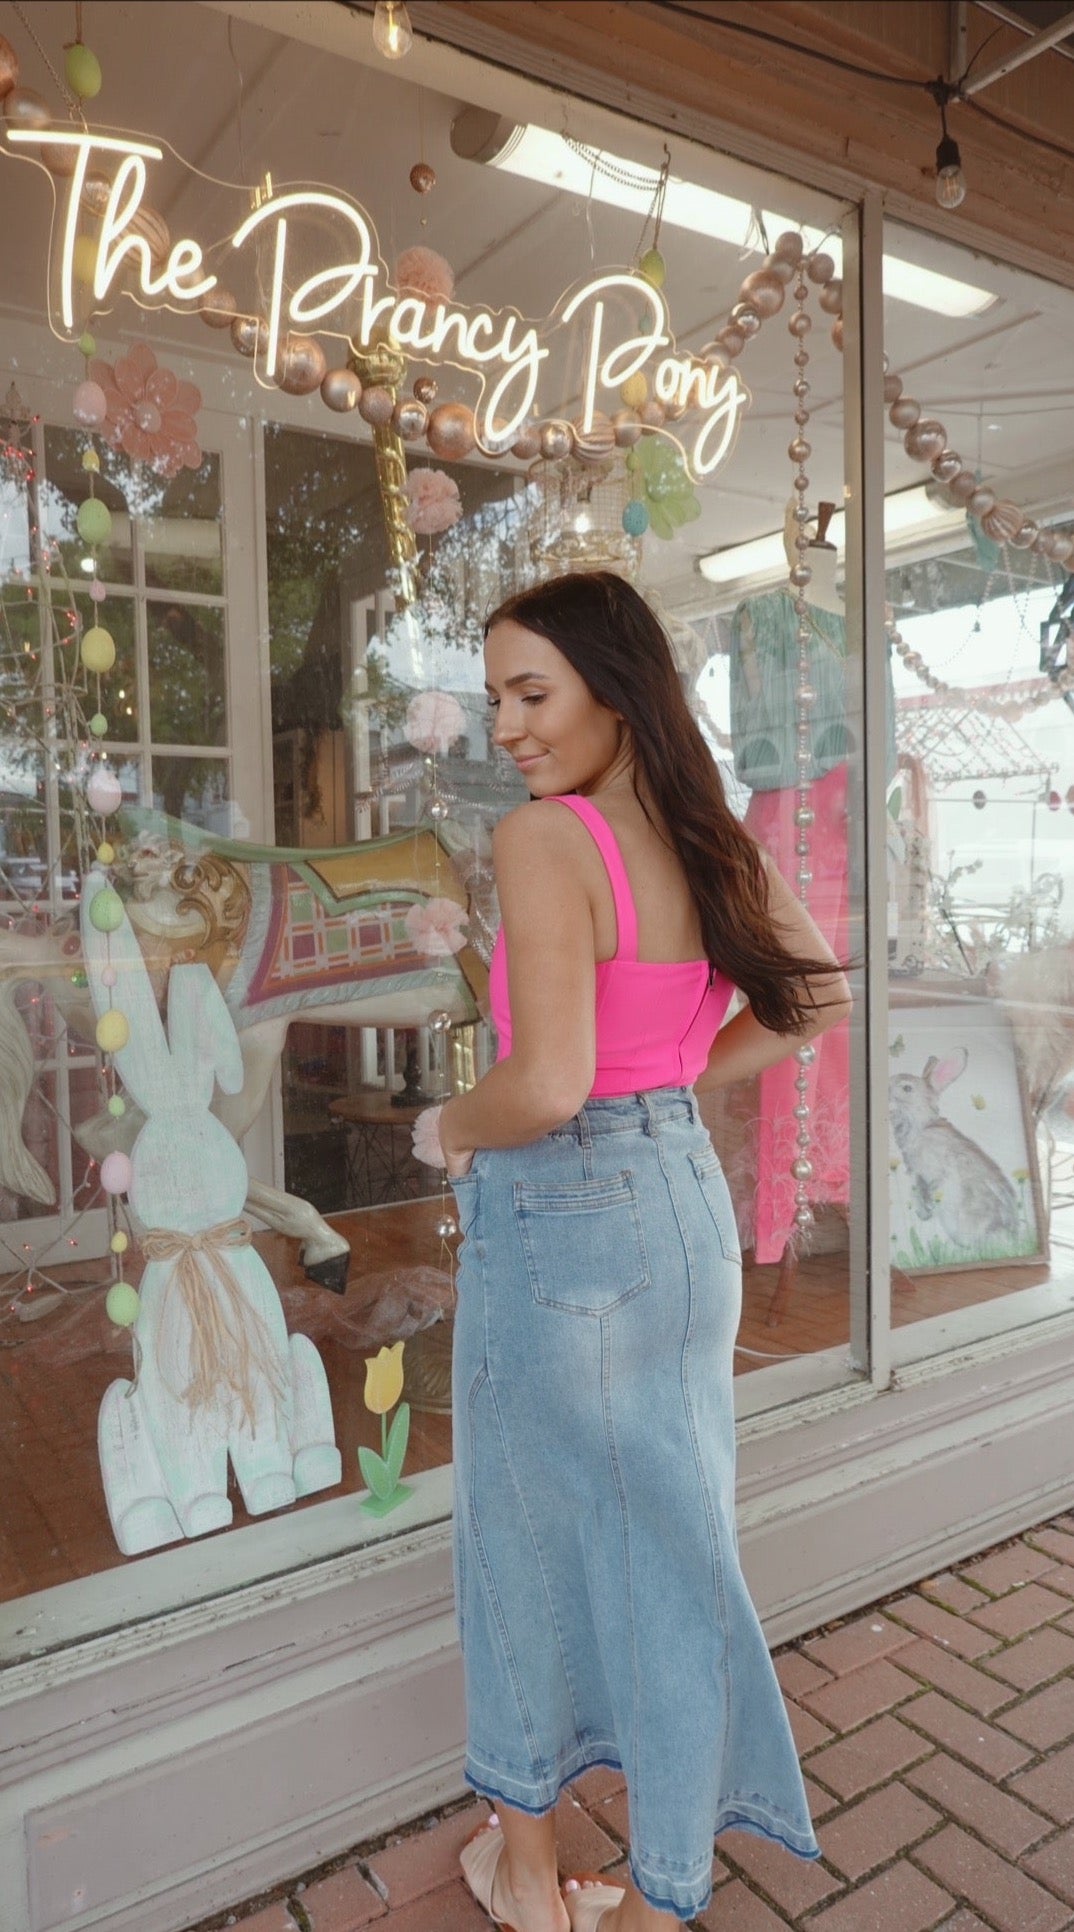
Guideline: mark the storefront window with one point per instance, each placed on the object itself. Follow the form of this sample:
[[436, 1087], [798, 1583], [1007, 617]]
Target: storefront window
[[981, 808], [349, 934]]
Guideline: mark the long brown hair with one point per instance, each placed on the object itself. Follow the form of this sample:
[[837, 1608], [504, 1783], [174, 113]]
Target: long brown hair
[[609, 635]]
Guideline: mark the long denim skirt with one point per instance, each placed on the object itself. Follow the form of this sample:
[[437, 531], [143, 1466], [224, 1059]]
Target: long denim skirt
[[602, 1611]]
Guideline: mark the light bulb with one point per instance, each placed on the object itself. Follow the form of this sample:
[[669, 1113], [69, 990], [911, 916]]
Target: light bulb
[[950, 180], [393, 35]]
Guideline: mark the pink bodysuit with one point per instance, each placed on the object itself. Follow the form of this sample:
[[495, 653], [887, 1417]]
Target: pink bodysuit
[[656, 1020]]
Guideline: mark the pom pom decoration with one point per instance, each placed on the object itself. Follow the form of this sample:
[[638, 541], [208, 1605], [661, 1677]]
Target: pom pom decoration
[[437, 928], [423, 273], [435, 504], [121, 1304], [434, 719], [425, 1138], [117, 1106]]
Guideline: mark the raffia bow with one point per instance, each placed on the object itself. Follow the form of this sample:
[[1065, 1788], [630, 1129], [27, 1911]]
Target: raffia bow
[[231, 1346]]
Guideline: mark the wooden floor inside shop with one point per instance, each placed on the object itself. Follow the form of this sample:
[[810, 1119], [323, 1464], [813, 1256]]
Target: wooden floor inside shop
[[54, 1369]]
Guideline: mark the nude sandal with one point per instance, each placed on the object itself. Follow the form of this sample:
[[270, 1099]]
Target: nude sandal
[[592, 1900], [480, 1858]]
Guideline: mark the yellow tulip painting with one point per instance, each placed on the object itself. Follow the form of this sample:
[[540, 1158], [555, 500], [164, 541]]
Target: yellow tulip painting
[[383, 1387], [384, 1379]]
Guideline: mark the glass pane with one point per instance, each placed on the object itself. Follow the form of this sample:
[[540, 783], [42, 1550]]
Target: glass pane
[[182, 540], [66, 485], [195, 789], [981, 811], [187, 688]]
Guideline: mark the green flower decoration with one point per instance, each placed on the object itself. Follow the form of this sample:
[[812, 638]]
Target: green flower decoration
[[659, 479]]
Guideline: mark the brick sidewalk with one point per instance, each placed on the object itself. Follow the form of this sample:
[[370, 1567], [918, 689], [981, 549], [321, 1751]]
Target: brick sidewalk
[[937, 1736]]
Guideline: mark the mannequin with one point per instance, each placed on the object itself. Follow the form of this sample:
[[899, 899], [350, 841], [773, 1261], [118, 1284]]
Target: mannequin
[[764, 682]]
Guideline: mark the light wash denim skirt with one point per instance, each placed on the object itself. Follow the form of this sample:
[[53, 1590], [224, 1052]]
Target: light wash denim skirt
[[602, 1611]]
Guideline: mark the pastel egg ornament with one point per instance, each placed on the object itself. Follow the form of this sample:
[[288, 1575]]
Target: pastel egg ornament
[[121, 1304], [98, 650], [89, 405], [635, 518], [83, 71], [106, 910], [104, 793], [94, 521], [111, 1034]]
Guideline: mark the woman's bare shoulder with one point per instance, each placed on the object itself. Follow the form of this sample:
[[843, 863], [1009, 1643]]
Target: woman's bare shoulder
[[543, 829]]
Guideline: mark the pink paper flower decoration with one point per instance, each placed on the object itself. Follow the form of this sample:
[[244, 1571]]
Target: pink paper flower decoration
[[421, 271], [438, 928], [425, 1138], [434, 719], [435, 503], [149, 413]]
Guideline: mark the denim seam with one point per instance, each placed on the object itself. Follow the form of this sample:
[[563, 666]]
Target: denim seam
[[521, 1494], [691, 1419], [490, 1587], [617, 1477]]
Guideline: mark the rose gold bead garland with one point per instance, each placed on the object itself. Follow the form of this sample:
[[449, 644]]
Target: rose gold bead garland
[[799, 451]]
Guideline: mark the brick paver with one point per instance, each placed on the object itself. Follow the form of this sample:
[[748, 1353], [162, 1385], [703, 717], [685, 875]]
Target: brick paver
[[1006, 1570], [872, 1831], [1053, 1864], [1014, 1902], [1055, 1541], [937, 1733], [1022, 1610], [1050, 1786], [967, 1736], [1044, 1719], [998, 1818], [951, 1591], [848, 1701], [961, 1681], [868, 1757], [1035, 1659], [343, 1902], [931, 1620], [734, 1909], [899, 1897], [794, 1885], [856, 1643]]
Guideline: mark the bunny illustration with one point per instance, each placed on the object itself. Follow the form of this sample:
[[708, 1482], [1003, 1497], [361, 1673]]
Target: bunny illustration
[[216, 1373], [952, 1177]]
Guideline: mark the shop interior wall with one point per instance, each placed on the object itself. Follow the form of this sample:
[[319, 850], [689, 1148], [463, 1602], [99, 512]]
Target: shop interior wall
[[1021, 192]]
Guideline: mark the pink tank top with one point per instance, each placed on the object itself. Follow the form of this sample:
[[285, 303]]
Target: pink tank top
[[656, 1021]]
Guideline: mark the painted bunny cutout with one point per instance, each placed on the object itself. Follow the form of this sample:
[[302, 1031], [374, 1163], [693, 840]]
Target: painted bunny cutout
[[218, 1375], [952, 1178]]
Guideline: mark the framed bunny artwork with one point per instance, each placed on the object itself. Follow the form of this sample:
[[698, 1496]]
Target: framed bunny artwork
[[965, 1181]]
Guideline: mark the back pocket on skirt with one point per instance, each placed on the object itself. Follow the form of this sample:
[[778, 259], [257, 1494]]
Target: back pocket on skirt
[[583, 1244]]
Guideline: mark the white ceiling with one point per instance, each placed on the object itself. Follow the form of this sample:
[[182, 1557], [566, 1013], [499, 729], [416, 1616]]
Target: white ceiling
[[1003, 383]]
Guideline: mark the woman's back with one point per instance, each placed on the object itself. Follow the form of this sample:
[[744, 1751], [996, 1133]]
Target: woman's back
[[658, 1004]]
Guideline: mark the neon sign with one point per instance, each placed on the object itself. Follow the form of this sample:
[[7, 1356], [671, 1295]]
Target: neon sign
[[503, 351]]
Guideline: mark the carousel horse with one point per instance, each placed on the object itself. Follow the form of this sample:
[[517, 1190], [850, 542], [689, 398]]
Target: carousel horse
[[287, 934]]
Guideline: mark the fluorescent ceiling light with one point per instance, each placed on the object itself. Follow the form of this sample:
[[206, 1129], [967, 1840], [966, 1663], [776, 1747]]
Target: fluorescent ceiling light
[[537, 154], [907, 513]]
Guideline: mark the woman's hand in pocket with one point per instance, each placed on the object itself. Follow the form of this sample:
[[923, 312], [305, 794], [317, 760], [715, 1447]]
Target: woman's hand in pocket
[[457, 1159]]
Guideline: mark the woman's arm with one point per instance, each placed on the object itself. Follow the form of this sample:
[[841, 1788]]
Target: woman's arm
[[744, 1047], [539, 857]]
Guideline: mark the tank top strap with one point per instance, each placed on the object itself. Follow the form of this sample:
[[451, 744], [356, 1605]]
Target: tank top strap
[[626, 917]]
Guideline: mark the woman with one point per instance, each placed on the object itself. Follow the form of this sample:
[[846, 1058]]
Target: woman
[[602, 1611]]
